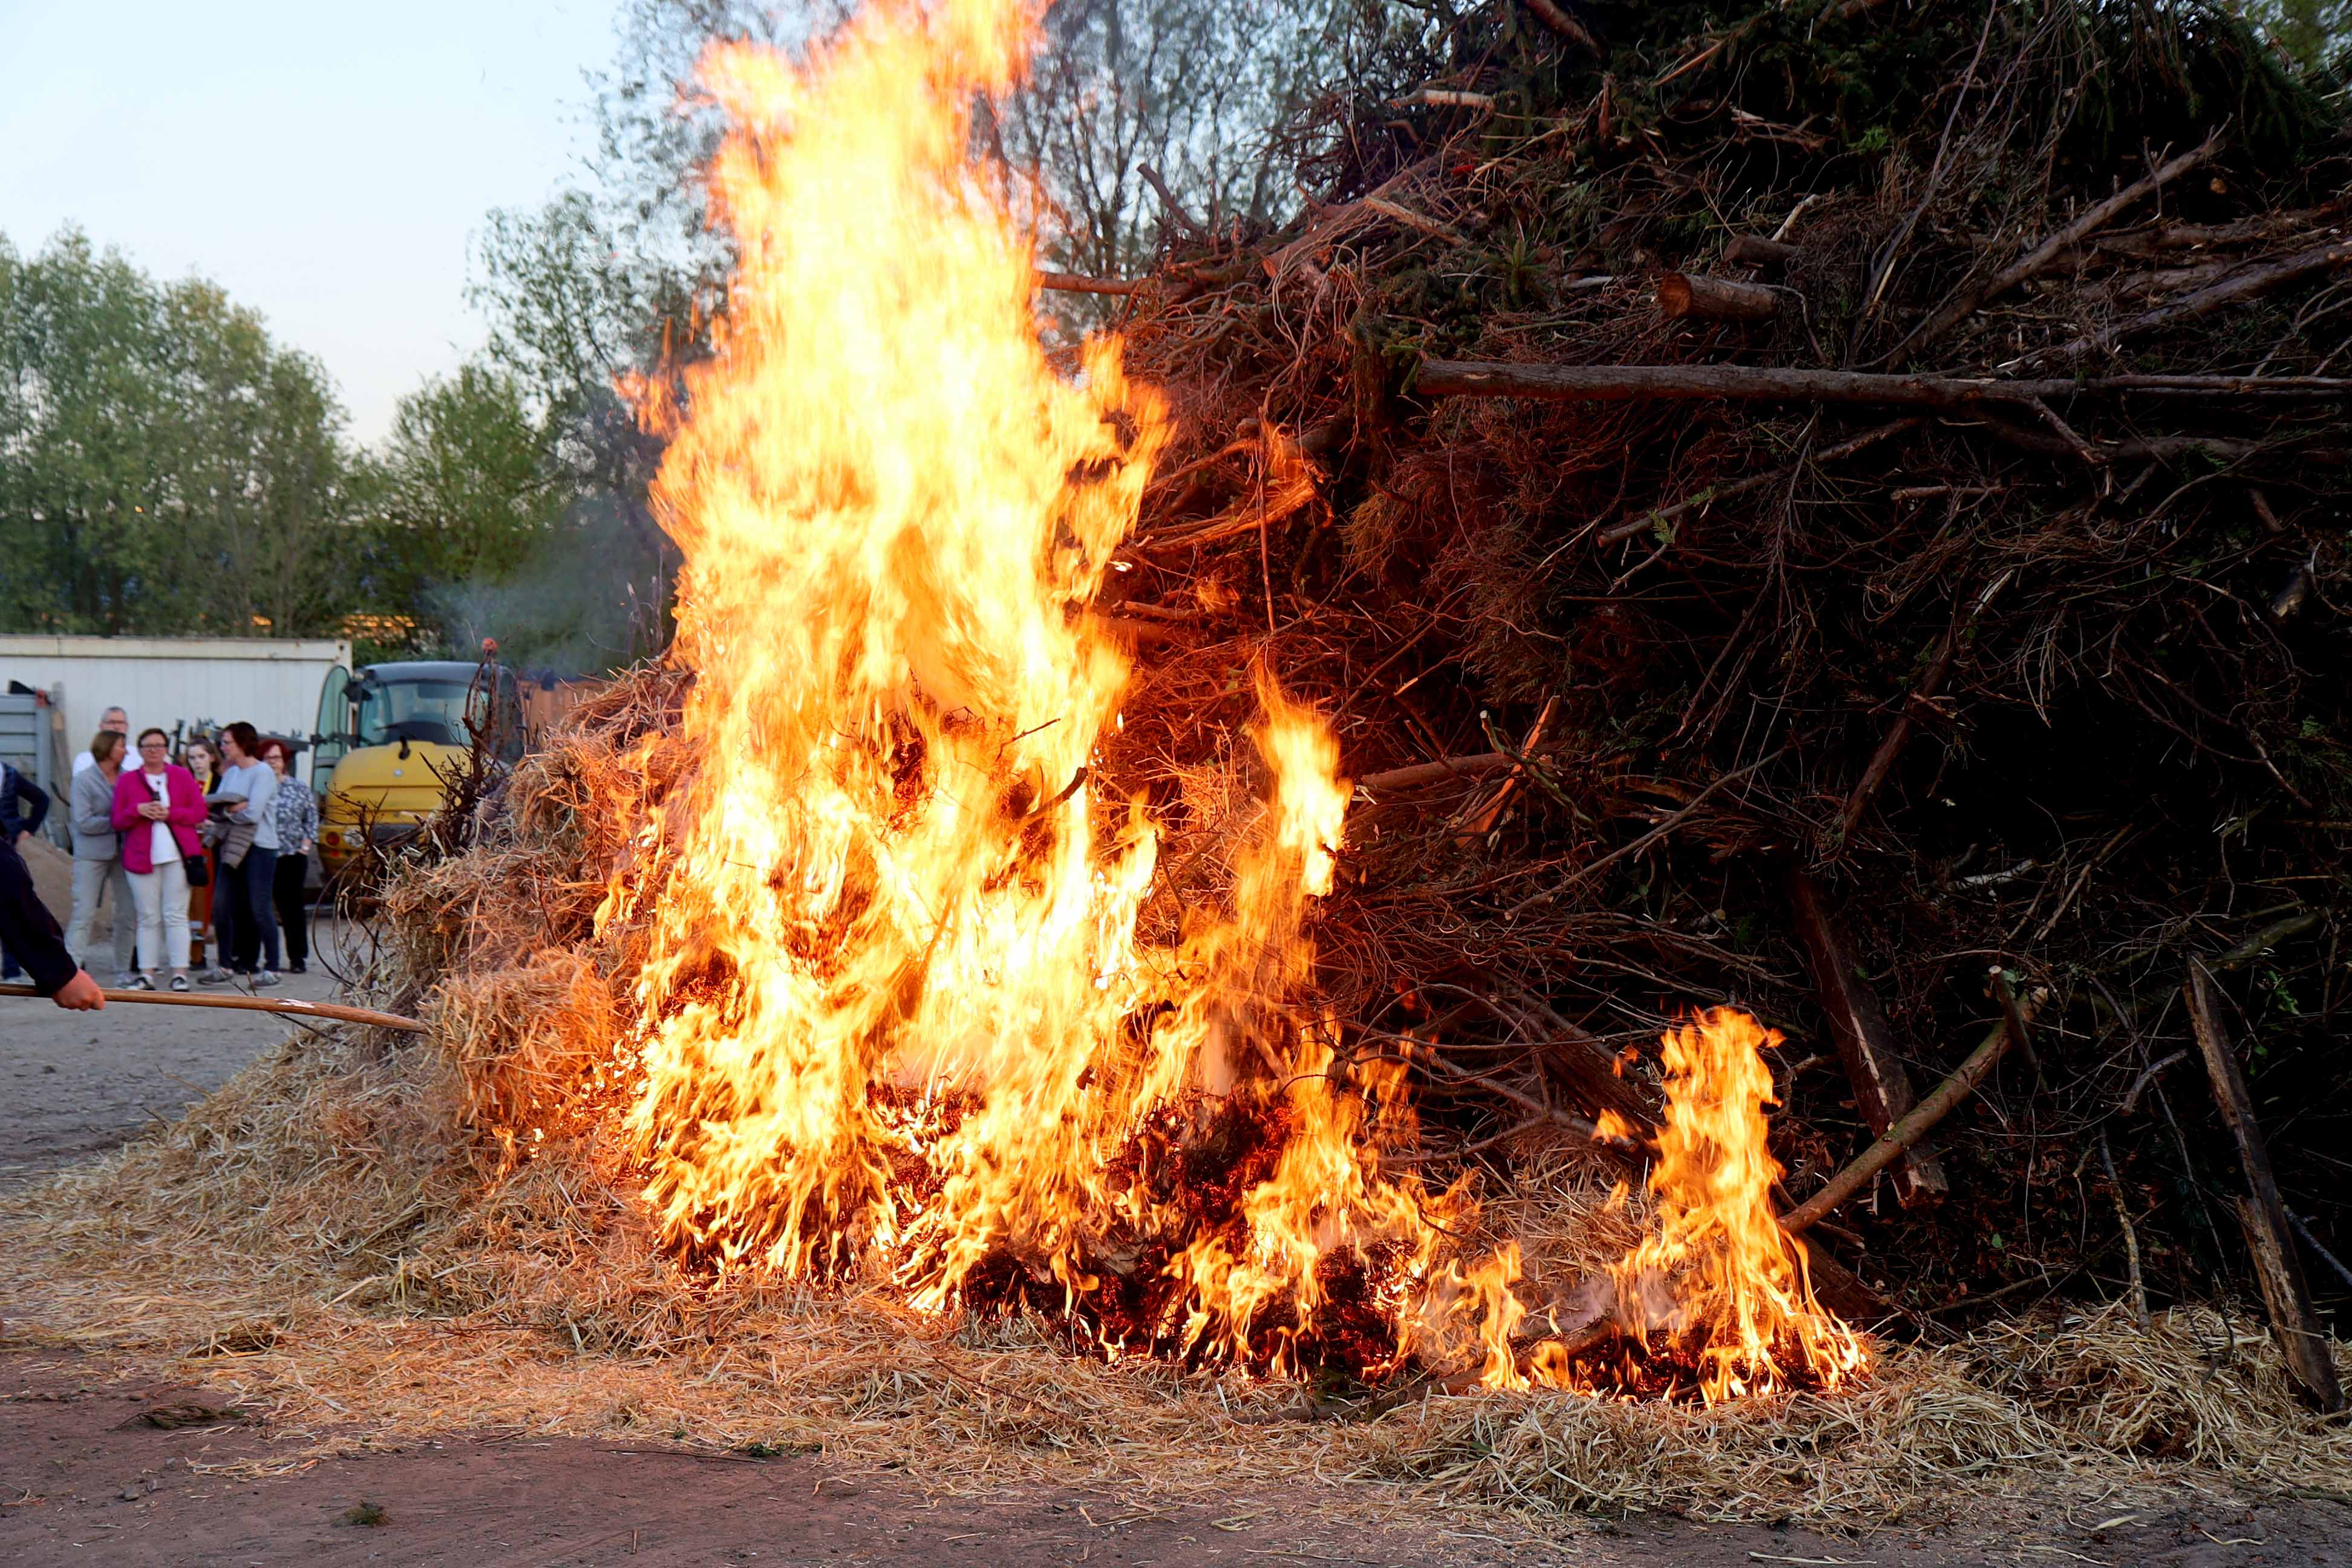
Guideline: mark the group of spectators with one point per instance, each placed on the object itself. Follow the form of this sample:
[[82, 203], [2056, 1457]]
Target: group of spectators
[[224, 832]]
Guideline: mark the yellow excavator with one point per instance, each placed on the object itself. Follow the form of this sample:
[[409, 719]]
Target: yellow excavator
[[390, 737]]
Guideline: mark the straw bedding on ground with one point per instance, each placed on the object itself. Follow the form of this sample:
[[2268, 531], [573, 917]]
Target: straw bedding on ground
[[333, 1237]]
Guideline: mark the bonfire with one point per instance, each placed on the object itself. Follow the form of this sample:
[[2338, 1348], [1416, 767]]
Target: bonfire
[[979, 976]]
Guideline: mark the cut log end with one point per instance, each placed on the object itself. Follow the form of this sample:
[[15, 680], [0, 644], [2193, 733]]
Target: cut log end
[[1686, 294]]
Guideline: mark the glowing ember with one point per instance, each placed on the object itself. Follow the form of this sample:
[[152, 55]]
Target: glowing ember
[[896, 1015]]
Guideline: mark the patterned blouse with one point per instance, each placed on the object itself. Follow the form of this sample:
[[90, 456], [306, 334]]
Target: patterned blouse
[[297, 815]]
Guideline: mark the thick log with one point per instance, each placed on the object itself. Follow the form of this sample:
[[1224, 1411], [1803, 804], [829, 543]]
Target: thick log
[[1776, 384], [1755, 250], [2277, 1266], [1858, 1029], [1889, 1148], [1682, 294]]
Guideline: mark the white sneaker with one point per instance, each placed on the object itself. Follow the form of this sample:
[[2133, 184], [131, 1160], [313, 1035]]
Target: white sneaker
[[267, 977]]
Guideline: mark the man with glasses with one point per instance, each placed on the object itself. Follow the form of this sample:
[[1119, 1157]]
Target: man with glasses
[[113, 719]]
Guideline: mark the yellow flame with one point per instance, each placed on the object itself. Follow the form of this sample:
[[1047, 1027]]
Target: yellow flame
[[895, 1007], [895, 1010], [1716, 1273]]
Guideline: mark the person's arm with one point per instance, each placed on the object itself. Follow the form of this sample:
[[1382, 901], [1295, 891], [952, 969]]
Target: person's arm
[[36, 803], [12, 825], [32, 934], [261, 797], [187, 807], [93, 804], [126, 803]]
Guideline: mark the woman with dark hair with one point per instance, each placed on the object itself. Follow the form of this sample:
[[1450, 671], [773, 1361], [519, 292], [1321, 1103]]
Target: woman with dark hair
[[203, 763], [247, 859], [97, 856], [297, 825], [157, 810]]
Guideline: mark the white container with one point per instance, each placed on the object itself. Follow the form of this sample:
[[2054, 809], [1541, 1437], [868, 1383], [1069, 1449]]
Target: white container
[[271, 683]]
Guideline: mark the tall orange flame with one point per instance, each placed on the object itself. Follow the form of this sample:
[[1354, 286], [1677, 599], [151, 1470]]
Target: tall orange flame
[[896, 1008], [895, 1013]]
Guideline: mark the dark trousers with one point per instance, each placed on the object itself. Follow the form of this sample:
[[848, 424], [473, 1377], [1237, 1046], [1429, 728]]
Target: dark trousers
[[293, 900], [243, 926]]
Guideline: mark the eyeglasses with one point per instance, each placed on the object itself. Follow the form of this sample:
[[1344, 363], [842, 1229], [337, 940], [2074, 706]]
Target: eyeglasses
[[154, 745]]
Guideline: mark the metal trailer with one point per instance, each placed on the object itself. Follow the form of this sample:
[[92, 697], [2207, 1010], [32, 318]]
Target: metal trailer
[[32, 738]]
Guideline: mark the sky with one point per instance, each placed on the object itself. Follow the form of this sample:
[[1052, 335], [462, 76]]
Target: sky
[[327, 164]]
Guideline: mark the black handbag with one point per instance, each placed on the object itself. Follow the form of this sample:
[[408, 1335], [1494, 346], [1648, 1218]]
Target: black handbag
[[200, 871]]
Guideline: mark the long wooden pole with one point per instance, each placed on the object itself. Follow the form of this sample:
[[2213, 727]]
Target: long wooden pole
[[291, 1006], [1775, 384]]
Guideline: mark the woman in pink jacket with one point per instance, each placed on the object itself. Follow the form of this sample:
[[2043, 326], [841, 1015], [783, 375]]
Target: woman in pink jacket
[[157, 809]]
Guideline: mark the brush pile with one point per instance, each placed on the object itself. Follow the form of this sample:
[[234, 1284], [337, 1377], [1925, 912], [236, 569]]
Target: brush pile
[[1798, 507], [1828, 507]]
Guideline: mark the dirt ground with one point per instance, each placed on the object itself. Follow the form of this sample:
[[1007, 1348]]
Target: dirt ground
[[79, 1083], [85, 1478]]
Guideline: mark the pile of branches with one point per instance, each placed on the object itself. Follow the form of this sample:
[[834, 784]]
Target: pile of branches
[[1828, 507]]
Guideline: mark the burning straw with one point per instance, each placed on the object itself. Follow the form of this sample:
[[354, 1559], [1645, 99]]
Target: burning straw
[[339, 1236]]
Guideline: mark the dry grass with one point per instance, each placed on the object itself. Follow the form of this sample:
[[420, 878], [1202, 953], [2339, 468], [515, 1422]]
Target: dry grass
[[323, 1238]]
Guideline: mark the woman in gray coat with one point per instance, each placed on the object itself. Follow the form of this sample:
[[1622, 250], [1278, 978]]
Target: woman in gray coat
[[98, 858]]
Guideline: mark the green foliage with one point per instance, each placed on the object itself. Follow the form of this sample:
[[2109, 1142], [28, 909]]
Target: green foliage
[[163, 467], [466, 487]]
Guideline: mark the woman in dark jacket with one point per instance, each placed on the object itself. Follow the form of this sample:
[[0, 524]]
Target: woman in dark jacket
[[297, 811], [22, 808]]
